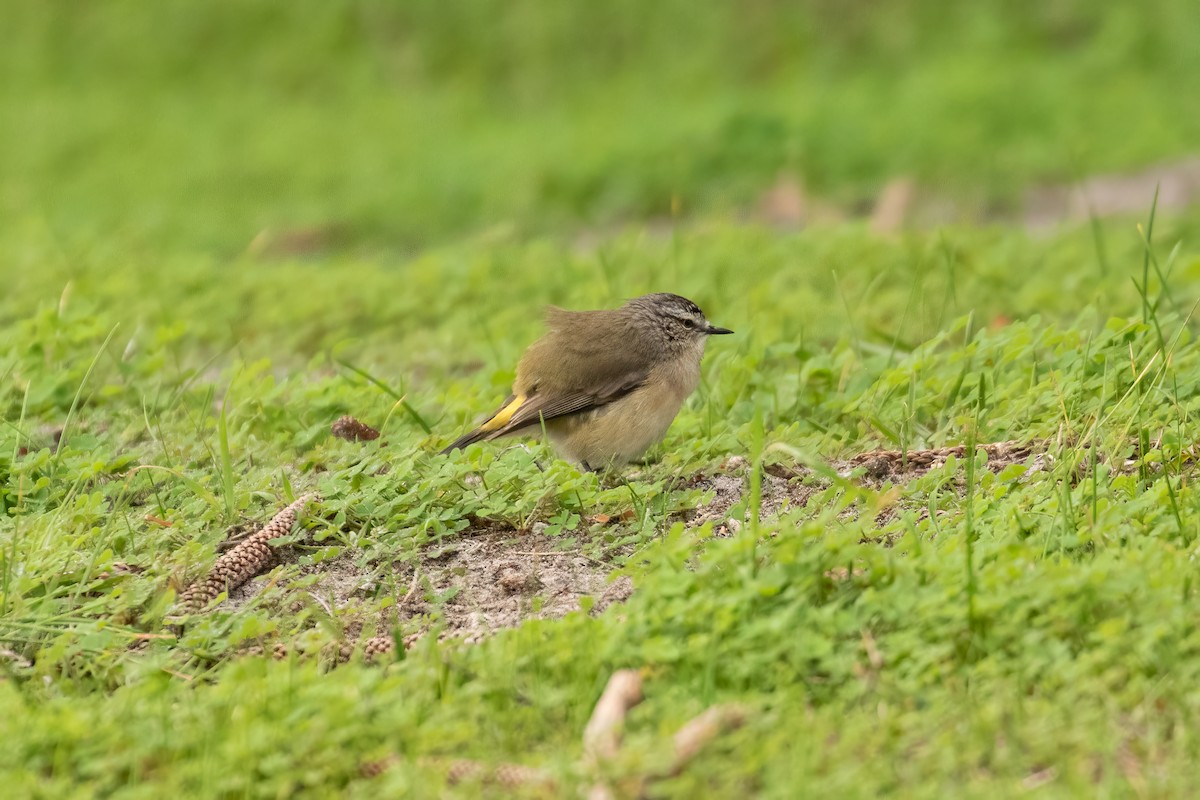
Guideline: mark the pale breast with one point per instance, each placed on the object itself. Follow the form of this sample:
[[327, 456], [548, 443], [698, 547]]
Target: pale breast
[[623, 430]]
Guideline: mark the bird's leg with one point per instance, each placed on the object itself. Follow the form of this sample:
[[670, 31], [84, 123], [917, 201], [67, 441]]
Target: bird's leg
[[649, 458]]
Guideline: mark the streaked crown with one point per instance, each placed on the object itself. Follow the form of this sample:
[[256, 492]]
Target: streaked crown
[[677, 317]]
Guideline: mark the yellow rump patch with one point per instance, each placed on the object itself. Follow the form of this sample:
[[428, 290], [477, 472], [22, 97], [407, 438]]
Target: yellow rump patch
[[504, 415]]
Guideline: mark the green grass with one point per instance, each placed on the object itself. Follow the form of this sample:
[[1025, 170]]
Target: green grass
[[192, 126], [1067, 644], [165, 384]]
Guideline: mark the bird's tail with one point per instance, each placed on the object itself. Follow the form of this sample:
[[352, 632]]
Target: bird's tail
[[495, 426], [477, 435]]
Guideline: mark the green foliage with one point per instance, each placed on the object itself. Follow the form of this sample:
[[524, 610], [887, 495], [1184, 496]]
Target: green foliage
[[852, 633], [168, 377], [377, 124]]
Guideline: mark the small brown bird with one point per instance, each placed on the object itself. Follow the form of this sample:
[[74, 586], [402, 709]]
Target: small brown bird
[[607, 384]]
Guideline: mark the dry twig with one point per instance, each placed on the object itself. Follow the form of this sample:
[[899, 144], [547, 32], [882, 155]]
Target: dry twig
[[883, 462], [601, 742], [602, 736], [702, 729]]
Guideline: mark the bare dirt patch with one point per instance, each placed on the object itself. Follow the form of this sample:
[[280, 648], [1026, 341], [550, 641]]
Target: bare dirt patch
[[902, 203], [900, 466], [1176, 182], [483, 581], [499, 579], [789, 486], [489, 577], [780, 493]]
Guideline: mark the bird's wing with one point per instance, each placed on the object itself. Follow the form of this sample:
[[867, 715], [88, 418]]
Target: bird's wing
[[590, 371], [585, 360], [547, 404], [524, 411]]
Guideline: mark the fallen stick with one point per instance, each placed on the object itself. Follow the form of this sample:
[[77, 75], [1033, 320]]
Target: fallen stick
[[601, 742], [702, 729], [602, 736]]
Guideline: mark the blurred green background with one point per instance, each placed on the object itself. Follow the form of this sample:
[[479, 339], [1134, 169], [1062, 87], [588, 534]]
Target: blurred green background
[[195, 126]]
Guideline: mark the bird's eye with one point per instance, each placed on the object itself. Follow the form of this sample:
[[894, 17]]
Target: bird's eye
[[688, 322]]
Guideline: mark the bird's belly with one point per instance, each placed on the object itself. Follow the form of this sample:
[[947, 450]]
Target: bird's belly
[[620, 431]]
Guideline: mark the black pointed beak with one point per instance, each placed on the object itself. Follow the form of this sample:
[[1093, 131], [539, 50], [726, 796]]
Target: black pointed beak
[[713, 330]]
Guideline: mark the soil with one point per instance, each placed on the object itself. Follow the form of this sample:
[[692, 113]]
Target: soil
[[490, 578], [486, 580]]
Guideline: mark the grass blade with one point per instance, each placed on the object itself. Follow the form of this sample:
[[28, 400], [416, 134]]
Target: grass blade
[[397, 396]]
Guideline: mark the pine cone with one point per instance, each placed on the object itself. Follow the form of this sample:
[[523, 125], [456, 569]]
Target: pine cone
[[377, 646], [373, 769], [279, 651], [510, 776], [242, 562], [352, 430]]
